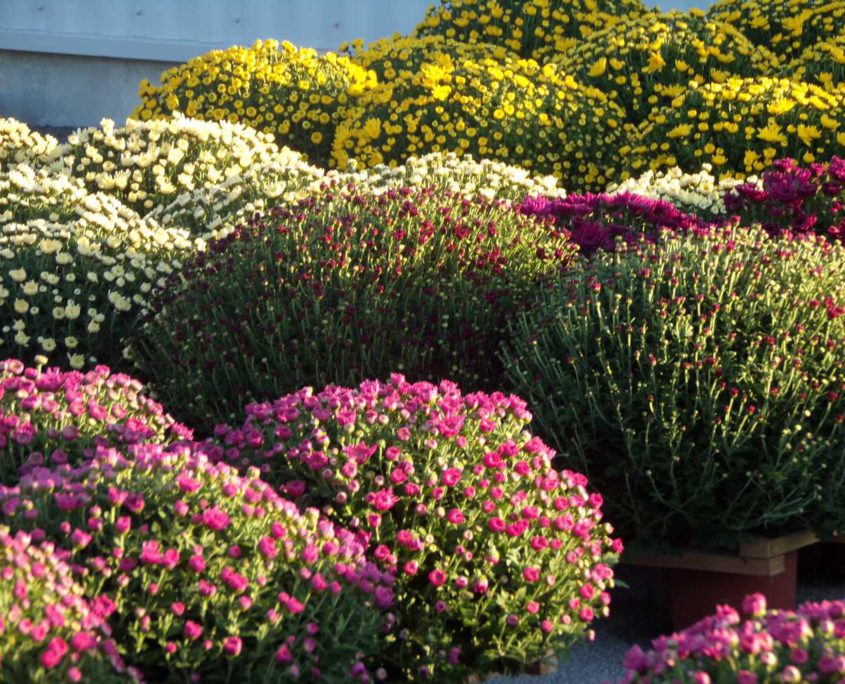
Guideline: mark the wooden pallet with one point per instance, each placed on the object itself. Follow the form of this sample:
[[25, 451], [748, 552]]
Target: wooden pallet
[[760, 557]]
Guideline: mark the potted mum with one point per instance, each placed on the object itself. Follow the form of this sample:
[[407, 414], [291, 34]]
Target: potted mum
[[698, 380], [499, 558]]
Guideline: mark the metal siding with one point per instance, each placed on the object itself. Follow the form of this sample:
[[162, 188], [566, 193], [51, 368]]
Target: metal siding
[[131, 29], [97, 27]]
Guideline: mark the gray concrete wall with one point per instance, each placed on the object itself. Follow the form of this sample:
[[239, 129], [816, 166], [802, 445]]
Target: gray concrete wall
[[69, 90]]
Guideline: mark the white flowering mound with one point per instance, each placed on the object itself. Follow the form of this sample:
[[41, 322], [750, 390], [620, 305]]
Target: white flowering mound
[[459, 174], [76, 268], [147, 164], [214, 211], [21, 145], [699, 193]]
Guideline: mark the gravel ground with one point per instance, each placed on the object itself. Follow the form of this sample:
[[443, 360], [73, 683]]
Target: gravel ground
[[634, 620]]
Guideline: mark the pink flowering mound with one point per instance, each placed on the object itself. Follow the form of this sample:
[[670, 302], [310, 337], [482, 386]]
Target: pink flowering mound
[[498, 557], [52, 417], [807, 645], [48, 630], [795, 199], [211, 573], [598, 221], [344, 286]]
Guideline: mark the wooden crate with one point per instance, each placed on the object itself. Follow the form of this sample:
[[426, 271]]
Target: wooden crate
[[760, 557]]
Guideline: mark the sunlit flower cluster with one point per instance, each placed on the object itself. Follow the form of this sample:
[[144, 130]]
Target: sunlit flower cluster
[[206, 569], [77, 268], [51, 417], [761, 20], [794, 199], [460, 175], [514, 111], [403, 56], [822, 63], [608, 221], [212, 211], [813, 23], [21, 145], [649, 60], [498, 556], [804, 645], [697, 193], [49, 631], [741, 126], [536, 29], [147, 163], [293, 94]]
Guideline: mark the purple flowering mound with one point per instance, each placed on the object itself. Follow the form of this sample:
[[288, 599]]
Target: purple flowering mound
[[211, 573], [795, 199], [52, 417], [805, 645], [499, 558], [597, 221], [48, 630]]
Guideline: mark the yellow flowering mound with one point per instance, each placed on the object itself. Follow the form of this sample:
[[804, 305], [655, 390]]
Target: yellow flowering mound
[[760, 20], [740, 126], [822, 64], [811, 26], [293, 94], [75, 268], [147, 163], [401, 56], [21, 145], [513, 111], [539, 29], [648, 60]]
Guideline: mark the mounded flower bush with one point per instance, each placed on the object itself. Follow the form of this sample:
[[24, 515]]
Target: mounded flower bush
[[76, 269], [146, 163], [342, 286], [822, 63], [598, 221], [794, 198], [54, 417], [740, 127], [648, 60], [536, 29], [514, 111], [499, 558], [49, 631], [699, 382], [700, 193], [21, 145], [211, 573], [805, 645], [291, 93]]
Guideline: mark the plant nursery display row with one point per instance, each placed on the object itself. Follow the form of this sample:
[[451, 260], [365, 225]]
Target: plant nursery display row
[[372, 365]]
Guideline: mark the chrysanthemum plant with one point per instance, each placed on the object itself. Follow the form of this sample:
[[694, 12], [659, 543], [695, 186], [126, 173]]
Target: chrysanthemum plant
[[212, 574], [500, 558]]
